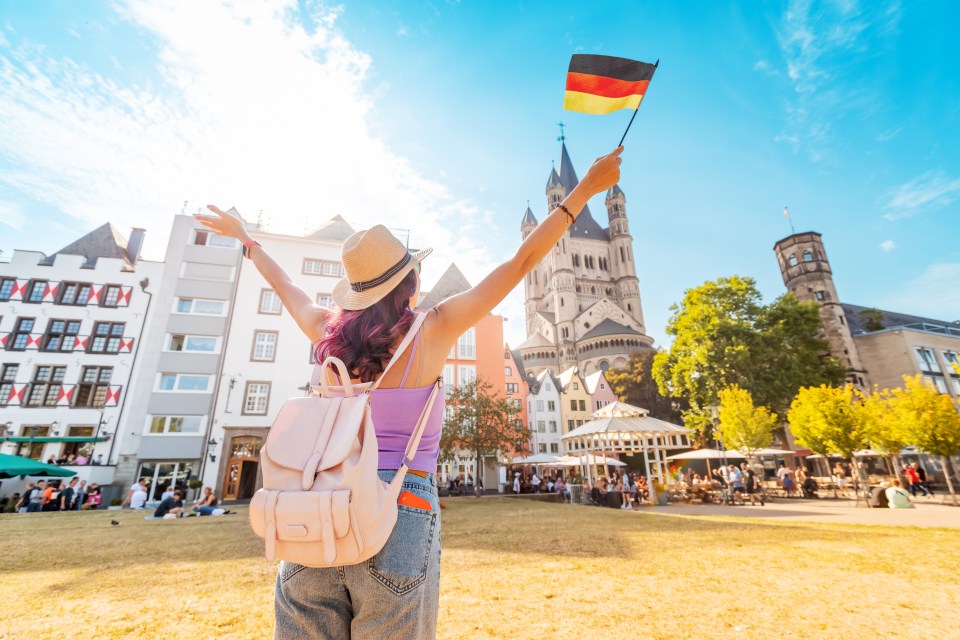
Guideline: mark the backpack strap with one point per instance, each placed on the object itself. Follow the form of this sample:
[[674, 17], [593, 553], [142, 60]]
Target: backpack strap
[[411, 334], [414, 441]]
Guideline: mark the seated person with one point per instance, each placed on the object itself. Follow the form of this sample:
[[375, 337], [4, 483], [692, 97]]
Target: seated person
[[206, 504], [171, 504], [810, 487], [898, 497]]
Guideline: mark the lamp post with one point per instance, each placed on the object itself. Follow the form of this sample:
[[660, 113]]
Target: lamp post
[[211, 445]]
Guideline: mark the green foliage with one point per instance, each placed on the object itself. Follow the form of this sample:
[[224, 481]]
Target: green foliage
[[829, 420], [872, 319], [480, 422], [634, 384], [724, 335], [928, 418], [742, 425]]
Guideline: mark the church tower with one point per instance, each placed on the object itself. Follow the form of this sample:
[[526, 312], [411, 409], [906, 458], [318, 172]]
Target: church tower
[[807, 274], [582, 299]]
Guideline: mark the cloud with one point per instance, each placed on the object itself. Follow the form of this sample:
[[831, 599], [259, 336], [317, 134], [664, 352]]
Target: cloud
[[403, 31], [761, 65], [929, 191], [251, 104], [932, 294], [888, 245], [820, 43], [12, 216]]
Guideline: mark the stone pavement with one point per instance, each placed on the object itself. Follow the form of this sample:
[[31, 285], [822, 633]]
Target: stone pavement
[[929, 513]]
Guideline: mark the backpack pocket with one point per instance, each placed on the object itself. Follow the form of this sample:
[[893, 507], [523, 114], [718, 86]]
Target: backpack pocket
[[301, 516]]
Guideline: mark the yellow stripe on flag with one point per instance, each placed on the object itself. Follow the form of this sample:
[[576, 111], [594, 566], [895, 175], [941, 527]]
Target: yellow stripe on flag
[[589, 103]]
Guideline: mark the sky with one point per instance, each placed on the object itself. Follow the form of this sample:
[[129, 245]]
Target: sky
[[441, 118]]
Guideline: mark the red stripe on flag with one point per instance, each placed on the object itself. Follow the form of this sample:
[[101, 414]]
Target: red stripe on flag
[[604, 86]]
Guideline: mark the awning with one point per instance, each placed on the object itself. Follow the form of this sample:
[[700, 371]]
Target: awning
[[56, 439], [12, 466]]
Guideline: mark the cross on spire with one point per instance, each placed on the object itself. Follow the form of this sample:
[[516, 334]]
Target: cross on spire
[[562, 137]]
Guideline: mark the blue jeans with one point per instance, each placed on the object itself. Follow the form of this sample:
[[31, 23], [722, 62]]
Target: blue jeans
[[394, 594]]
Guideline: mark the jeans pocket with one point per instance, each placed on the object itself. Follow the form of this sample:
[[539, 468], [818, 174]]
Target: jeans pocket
[[402, 563], [289, 569]]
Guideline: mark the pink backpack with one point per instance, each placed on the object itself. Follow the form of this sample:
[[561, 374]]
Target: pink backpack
[[322, 503]]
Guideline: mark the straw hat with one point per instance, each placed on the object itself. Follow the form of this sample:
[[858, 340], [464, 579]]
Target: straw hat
[[375, 263]]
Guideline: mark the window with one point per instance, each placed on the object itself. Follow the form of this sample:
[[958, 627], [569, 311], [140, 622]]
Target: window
[[466, 374], [507, 371], [322, 268], [466, 344], [174, 424], [513, 387], [573, 405], [35, 291], [539, 405], [255, 398], [542, 447], [553, 426], [7, 379], [554, 447], [576, 386], [792, 260], [106, 337], [325, 300], [206, 271], [110, 296], [264, 346], [603, 386], [926, 360], [60, 335], [569, 425], [541, 426], [269, 302], [196, 344], [583, 405], [21, 334], [205, 238], [951, 358], [93, 387], [937, 383], [599, 405], [551, 405], [45, 387], [183, 382], [6, 288], [820, 296], [74, 293], [448, 381], [201, 306], [807, 256]]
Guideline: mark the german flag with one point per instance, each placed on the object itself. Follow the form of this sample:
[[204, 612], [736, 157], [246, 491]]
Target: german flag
[[604, 84]]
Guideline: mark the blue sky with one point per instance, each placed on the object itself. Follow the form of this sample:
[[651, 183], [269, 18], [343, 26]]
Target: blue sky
[[441, 117]]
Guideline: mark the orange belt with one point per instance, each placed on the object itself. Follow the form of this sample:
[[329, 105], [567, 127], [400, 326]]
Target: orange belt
[[422, 474]]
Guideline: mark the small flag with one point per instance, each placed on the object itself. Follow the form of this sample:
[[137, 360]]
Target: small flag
[[786, 213], [604, 84]]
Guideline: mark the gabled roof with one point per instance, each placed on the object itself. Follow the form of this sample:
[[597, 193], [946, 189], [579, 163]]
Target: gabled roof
[[336, 228], [536, 340], [528, 218], [105, 241], [610, 327], [542, 377], [568, 376], [548, 316], [592, 380], [451, 283], [894, 320], [517, 360]]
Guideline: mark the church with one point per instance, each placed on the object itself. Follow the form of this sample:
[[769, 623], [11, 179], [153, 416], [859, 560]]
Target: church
[[582, 304]]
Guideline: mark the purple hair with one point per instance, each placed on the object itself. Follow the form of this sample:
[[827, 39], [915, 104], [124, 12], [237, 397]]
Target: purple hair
[[363, 339]]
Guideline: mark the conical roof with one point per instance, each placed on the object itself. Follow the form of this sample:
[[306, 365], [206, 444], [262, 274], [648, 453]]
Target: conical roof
[[614, 191], [336, 228], [568, 175], [451, 283], [554, 179], [528, 218]]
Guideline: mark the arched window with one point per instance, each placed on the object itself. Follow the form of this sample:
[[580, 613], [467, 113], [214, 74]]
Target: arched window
[[807, 256], [792, 260]]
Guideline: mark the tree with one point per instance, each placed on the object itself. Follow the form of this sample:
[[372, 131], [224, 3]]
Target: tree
[[930, 421], [742, 425], [884, 431], [872, 319], [830, 420], [634, 384], [724, 335], [480, 422]]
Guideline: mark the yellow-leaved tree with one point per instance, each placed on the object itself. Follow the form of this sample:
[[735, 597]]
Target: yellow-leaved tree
[[884, 431], [930, 421], [742, 425], [831, 420]]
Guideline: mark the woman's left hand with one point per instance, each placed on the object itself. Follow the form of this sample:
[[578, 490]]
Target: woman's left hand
[[222, 223]]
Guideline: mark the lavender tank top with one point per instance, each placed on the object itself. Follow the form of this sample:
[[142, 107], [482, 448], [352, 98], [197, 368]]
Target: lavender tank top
[[395, 413]]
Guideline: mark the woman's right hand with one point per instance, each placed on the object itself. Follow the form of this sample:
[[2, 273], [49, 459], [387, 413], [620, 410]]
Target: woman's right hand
[[604, 173], [222, 223]]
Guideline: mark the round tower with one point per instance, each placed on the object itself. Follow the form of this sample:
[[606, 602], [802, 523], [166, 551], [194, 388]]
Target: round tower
[[622, 267], [807, 274]]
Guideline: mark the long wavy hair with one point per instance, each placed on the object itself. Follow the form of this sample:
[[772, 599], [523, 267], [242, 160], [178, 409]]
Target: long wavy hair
[[362, 339]]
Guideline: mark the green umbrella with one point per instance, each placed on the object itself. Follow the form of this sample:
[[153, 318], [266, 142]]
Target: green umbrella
[[11, 466]]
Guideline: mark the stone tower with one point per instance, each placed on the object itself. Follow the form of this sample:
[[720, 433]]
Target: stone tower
[[806, 273], [583, 299]]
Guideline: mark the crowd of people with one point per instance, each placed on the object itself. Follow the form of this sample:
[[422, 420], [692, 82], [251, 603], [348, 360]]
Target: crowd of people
[[56, 495], [79, 459]]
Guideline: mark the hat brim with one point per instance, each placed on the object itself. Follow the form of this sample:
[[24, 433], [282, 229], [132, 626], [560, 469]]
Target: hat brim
[[350, 300]]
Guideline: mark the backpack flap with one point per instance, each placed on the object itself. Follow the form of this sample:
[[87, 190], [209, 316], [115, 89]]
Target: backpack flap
[[302, 436]]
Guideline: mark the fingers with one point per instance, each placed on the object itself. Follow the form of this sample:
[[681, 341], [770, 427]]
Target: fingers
[[214, 208]]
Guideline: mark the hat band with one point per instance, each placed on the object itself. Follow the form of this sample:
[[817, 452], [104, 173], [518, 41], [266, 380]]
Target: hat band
[[389, 273]]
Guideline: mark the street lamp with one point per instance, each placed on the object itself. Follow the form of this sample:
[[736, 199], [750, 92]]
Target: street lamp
[[210, 446]]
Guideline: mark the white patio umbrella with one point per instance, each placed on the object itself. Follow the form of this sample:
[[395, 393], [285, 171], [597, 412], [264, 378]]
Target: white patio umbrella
[[706, 454], [539, 458], [772, 452]]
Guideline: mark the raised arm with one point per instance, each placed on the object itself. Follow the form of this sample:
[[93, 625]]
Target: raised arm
[[457, 314], [311, 318]]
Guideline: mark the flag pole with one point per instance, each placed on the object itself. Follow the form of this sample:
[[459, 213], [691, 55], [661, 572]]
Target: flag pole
[[655, 65]]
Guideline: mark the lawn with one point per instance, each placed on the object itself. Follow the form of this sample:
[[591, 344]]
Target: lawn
[[511, 569]]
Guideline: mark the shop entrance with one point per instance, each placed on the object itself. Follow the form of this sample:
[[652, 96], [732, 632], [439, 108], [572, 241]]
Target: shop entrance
[[240, 481]]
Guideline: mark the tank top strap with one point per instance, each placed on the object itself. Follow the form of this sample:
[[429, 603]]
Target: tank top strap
[[413, 352]]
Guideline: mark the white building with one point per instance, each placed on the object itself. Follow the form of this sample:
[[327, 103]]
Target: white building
[[267, 358], [544, 414], [70, 331]]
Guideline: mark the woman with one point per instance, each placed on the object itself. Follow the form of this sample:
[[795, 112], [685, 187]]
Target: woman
[[206, 504], [394, 594]]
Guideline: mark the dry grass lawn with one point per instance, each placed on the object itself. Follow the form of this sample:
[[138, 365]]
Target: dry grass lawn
[[511, 569]]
